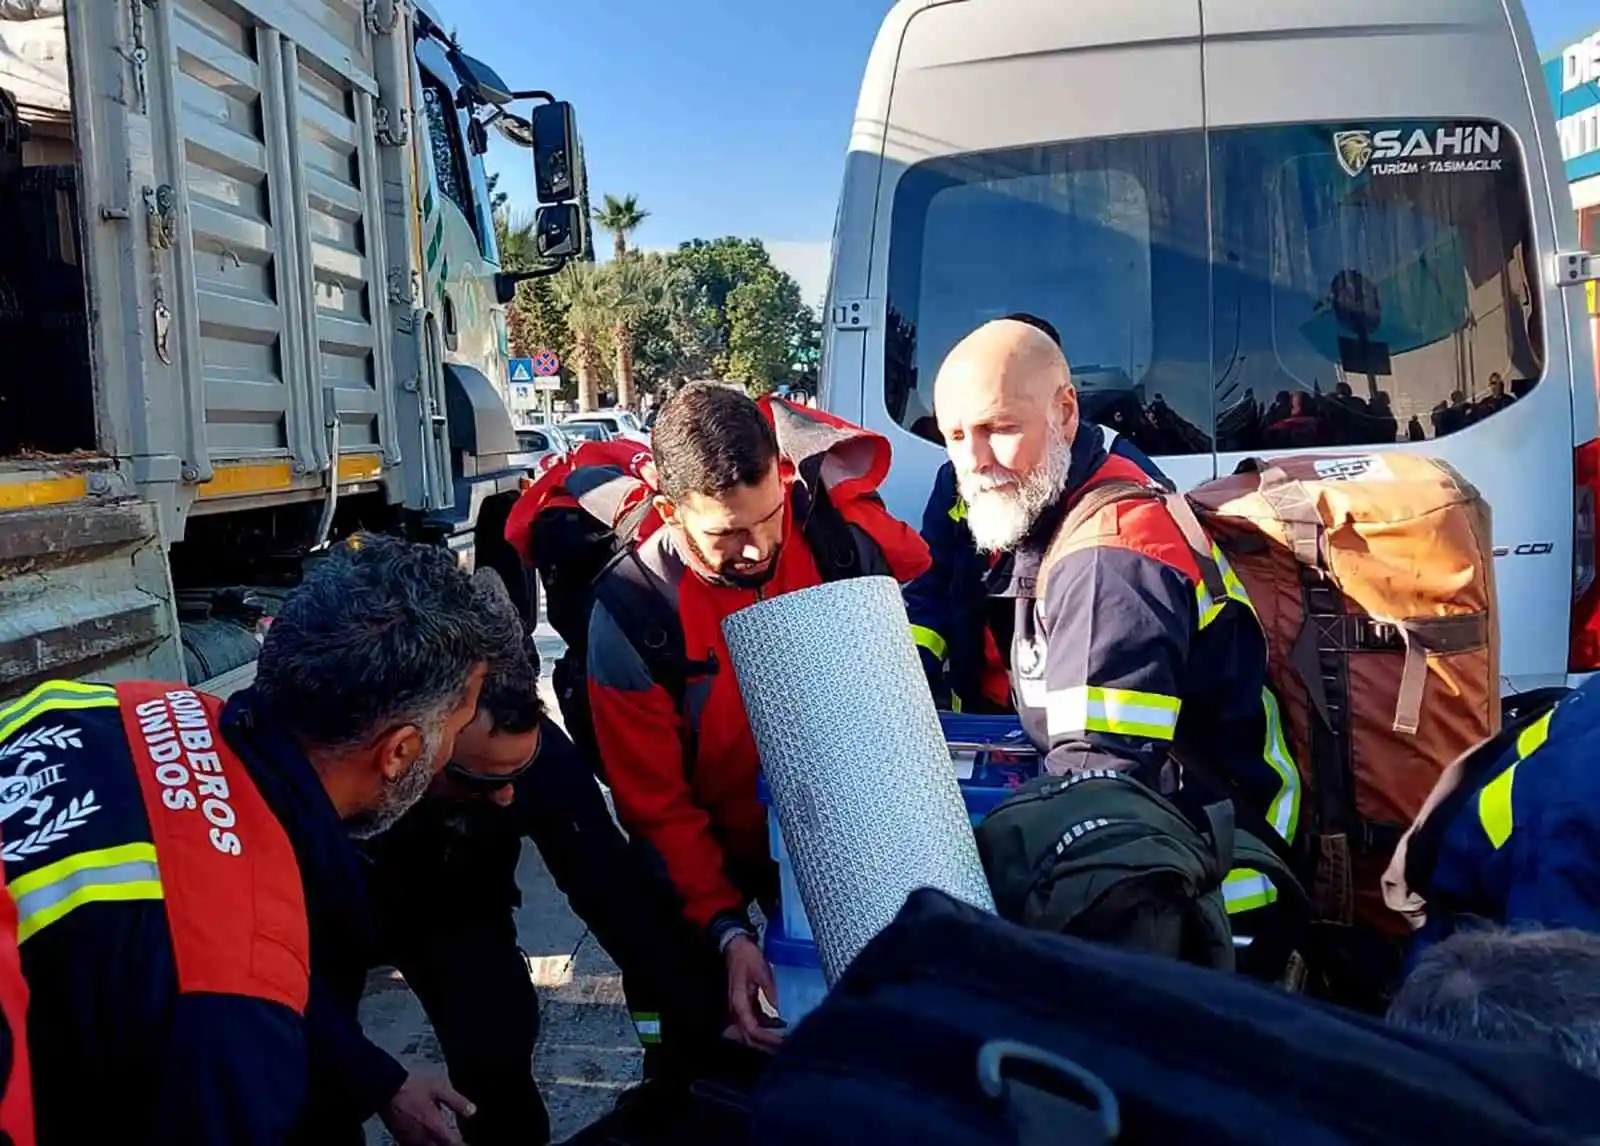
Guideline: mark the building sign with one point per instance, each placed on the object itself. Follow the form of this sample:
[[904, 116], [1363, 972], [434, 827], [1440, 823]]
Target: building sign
[[1573, 76]]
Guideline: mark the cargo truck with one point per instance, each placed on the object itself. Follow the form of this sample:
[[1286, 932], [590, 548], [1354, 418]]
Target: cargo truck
[[250, 302]]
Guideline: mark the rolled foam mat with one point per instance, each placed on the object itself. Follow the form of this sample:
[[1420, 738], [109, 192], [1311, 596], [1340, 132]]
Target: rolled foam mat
[[855, 759]]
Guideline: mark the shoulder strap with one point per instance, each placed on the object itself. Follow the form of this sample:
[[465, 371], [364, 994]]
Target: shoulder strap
[[642, 608], [832, 539], [1085, 509]]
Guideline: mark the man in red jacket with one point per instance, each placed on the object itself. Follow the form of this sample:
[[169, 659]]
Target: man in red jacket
[[757, 499]]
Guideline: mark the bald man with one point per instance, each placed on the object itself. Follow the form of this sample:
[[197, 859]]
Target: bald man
[[1120, 658], [962, 633]]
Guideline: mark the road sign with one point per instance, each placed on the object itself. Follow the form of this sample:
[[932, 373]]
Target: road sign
[[552, 383], [521, 369], [546, 363]]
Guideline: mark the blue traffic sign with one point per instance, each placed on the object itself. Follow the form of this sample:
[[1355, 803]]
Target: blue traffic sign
[[521, 369]]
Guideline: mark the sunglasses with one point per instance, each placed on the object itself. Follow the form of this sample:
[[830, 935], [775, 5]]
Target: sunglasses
[[487, 781]]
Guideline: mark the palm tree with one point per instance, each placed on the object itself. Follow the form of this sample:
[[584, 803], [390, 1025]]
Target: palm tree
[[583, 292], [514, 236], [638, 287], [622, 217]]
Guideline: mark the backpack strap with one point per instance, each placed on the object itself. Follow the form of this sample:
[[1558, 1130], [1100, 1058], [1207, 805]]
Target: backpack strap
[[1083, 509], [835, 544], [641, 605]]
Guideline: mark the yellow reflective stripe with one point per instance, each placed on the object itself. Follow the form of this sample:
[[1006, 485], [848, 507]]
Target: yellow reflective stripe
[[1118, 711], [1230, 580], [1494, 798], [54, 696], [958, 510], [125, 872], [1246, 889], [1532, 738], [80, 861], [1209, 607], [1494, 806], [1284, 811], [955, 702], [926, 638]]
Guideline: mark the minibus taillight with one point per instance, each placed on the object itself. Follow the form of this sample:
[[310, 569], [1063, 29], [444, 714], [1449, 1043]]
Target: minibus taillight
[[1585, 651]]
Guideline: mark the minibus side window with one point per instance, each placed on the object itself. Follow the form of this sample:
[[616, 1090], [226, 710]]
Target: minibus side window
[[1374, 283]]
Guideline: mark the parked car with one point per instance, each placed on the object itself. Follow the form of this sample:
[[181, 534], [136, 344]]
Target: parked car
[[587, 431], [543, 445], [619, 423]]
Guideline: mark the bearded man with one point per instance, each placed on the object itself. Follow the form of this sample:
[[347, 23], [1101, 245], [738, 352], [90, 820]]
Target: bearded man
[[1120, 658]]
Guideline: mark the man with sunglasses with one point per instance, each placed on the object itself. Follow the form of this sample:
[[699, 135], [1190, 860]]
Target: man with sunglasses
[[444, 889], [443, 882]]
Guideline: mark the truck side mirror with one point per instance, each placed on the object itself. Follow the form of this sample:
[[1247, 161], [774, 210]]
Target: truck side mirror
[[555, 152], [482, 81], [559, 231]]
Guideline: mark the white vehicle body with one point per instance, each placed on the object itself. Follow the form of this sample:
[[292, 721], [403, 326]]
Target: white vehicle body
[[617, 423], [251, 291], [1231, 211]]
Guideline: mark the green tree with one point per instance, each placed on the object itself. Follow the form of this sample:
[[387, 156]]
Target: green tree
[[621, 217], [752, 320], [639, 287], [584, 295], [497, 198], [515, 238]]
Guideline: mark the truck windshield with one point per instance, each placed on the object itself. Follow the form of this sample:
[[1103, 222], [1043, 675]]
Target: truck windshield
[[1334, 284]]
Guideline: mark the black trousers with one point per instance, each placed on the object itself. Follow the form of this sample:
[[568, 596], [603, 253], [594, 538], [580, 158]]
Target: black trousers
[[673, 979], [473, 982], [455, 942]]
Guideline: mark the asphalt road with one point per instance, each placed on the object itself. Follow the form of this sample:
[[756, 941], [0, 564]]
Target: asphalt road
[[587, 1052]]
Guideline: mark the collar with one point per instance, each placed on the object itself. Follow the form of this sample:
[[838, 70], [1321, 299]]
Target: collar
[[1018, 577], [330, 866]]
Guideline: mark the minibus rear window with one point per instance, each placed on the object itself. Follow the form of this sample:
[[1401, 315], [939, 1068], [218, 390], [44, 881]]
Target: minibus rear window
[[1336, 284]]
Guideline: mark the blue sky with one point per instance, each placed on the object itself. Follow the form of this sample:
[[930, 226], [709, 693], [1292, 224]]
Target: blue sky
[[726, 116]]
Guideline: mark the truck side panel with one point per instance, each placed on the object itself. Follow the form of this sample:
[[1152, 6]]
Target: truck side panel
[[274, 105]]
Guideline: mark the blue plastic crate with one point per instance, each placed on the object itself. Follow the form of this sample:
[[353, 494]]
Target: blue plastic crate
[[1001, 758], [797, 967]]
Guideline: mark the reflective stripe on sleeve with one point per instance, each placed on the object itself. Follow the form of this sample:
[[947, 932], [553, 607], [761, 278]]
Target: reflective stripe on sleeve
[[1246, 889], [1284, 811], [647, 1025], [1118, 711], [927, 638], [118, 874]]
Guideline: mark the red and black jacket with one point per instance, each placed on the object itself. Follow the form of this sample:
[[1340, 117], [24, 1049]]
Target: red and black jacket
[[683, 768]]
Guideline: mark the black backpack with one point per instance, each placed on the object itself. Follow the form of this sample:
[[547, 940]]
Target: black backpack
[[1101, 856], [956, 1028]]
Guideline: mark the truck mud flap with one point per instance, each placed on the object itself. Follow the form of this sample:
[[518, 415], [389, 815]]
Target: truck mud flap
[[85, 593]]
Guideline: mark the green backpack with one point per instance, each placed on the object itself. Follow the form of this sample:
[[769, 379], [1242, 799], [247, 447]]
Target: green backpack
[[1100, 856]]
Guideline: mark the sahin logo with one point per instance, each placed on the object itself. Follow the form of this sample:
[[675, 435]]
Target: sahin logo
[[1354, 149]]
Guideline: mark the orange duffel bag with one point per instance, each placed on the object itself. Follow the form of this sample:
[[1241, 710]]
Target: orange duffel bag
[[1373, 579]]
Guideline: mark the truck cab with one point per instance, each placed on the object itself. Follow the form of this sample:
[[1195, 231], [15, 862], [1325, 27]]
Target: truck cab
[[250, 283]]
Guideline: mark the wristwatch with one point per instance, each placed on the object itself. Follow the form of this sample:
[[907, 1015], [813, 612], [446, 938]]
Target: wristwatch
[[727, 927]]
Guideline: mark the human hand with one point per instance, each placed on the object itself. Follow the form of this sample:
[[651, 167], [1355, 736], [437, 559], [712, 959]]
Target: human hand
[[749, 977], [414, 1115]]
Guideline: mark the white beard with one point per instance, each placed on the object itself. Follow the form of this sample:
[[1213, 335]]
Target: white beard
[[1002, 508]]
